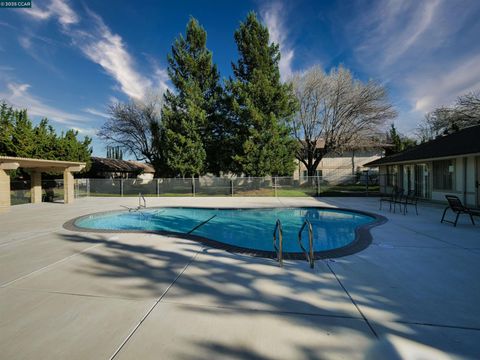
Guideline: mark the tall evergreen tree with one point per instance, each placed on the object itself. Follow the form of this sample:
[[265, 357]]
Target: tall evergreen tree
[[262, 106], [191, 116]]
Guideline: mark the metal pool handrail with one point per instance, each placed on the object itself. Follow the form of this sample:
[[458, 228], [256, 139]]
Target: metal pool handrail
[[308, 254], [140, 198], [279, 249]]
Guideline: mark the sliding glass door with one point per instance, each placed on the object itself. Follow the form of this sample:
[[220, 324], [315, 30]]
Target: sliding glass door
[[422, 181]]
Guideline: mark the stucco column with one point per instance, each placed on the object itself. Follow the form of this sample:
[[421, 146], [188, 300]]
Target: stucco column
[[5, 185], [68, 187], [4, 191], [36, 187]]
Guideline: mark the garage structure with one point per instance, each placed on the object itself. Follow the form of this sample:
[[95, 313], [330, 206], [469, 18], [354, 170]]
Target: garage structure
[[36, 167]]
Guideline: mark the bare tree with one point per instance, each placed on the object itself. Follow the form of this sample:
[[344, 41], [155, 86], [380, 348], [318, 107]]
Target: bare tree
[[444, 120], [136, 127], [336, 112], [469, 106]]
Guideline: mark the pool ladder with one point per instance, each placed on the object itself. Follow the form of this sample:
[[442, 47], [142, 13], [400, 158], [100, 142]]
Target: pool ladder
[[308, 254], [278, 248]]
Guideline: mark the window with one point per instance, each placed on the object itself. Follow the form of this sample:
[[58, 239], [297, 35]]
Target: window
[[443, 174]]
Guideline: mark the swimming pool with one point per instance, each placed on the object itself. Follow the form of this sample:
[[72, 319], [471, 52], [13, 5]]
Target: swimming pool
[[245, 230]]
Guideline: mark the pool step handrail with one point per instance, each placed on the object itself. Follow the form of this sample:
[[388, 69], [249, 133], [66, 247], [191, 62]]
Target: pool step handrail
[[308, 254], [141, 199], [278, 249], [142, 204]]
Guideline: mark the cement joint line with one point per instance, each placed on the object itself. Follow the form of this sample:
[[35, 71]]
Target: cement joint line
[[129, 336]]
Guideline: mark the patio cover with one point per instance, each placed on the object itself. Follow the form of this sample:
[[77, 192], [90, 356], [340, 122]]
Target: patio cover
[[36, 167]]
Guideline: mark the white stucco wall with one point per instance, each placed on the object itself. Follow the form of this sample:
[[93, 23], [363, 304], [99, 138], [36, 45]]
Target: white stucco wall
[[468, 193], [340, 165], [464, 182]]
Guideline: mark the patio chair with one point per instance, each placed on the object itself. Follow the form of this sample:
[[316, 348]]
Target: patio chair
[[410, 199], [388, 198], [455, 204], [393, 199], [398, 198]]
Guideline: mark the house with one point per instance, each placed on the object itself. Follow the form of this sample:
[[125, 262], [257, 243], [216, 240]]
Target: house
[[343, 165], [447, 165], [107, 168]]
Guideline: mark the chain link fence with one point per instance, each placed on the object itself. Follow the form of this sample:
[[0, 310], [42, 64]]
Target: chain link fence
[[363, 184]]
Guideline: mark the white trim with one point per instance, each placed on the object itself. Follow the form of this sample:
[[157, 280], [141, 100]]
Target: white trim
[[406, 162]]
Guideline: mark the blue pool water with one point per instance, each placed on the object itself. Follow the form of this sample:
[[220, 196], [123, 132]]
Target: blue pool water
[[246, 228]]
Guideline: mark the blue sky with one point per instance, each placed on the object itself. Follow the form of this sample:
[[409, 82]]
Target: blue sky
[[68, 60]]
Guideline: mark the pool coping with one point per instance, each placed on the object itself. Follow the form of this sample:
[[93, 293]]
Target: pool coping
[[363, 237]]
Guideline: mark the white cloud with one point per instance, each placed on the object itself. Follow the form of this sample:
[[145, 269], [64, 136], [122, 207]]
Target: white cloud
[[390, 29], [109, 51], [58, 9], [96, 113], [90, 132], [426, 51], [272, 16], [444, 88], [100, 45], [19, 96], [25, 42], [161, 78]]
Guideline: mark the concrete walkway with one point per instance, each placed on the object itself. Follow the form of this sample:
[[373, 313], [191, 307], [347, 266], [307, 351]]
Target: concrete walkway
[[79, 295]]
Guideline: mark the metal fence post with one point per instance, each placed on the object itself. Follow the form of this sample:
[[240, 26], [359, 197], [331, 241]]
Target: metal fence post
[[275, 185], [367, 180], [121, 187], [158, 187], [193, 186], [231, 186], [88, 187]]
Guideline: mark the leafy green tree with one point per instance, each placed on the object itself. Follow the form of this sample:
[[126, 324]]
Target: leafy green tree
[[69, 148], [19, 137], [261, 106], [191, 116], [399, 142]]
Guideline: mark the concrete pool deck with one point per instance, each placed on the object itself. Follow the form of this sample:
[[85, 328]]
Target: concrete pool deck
[[76, 295]]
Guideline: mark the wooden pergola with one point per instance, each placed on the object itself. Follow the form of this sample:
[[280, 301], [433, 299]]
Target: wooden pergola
[[36, 167]]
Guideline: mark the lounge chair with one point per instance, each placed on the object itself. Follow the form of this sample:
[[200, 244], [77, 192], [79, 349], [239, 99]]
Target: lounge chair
[[455, 204], [410, 199]]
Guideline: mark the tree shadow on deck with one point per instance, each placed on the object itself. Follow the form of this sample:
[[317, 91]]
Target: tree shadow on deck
[[214, 282]]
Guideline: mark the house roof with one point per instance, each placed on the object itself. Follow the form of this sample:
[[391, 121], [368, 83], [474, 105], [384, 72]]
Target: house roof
[[43, 164], [115, 165], [463, 142]]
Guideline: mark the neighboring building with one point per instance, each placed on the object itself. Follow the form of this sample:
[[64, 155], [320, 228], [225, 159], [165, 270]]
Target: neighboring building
[[446, 165], [106, 168], [341, 166]]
